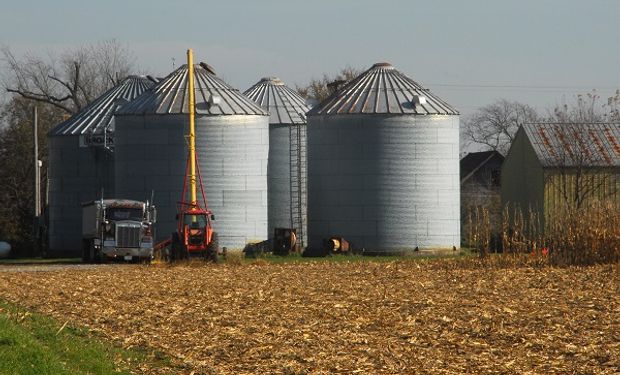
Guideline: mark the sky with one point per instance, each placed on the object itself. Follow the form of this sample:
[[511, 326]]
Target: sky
[[470, 53]]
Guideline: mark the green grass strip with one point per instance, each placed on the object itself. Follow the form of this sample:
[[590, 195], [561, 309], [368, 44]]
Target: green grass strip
[[32, 344]]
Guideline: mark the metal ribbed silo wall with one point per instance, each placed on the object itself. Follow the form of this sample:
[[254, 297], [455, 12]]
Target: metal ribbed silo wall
[[384, 182], [151, 155], [280, 186], [76, 175], [232, 154]]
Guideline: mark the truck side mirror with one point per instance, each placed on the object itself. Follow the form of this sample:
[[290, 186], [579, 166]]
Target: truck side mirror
[[153, 215], [101, 213], [212, 217]]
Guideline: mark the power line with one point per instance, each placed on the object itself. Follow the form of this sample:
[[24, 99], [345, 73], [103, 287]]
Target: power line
[[470, 86]]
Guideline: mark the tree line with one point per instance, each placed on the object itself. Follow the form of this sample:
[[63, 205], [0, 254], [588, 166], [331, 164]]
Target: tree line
[[59, 85], [493, 126]]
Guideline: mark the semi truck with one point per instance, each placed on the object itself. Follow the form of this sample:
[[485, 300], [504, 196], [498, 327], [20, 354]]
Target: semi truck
[[117, 229]]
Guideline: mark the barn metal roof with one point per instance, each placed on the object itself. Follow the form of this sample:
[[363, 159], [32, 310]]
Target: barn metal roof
[[284, 104], [98, 115], [213, 96], [383, 90], [575, 144]]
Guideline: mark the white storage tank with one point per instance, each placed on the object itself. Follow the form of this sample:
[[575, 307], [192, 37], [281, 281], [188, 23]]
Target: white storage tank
[[232, 145], [286, 169], [383, 165], [81, 163]]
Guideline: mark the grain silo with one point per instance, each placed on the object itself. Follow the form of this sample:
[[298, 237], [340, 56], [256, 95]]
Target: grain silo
[[81, 163], [383, 165], [286, 169], [232, 145]]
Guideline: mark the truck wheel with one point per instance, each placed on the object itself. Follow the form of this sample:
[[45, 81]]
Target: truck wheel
[[86, 251], [92, 252], [213, 248], [97, 256], [175, 248], [184, 252]]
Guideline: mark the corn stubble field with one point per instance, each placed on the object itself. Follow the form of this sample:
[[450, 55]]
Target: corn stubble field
[[442, 316]]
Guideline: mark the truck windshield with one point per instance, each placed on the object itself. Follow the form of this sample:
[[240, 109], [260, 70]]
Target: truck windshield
[[134, 214]]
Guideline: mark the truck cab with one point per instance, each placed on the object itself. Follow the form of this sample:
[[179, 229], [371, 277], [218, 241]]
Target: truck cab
[[117, 229]]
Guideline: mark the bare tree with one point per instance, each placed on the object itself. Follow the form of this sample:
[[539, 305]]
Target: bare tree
[[587, 108], [320, 88], [59, 85], [578, 172], [495, 125], [17, 170], [613, 106], [581, 170], [71, 80]]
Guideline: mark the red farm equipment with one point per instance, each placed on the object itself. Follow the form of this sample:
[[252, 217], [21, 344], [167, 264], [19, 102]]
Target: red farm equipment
[[194, 236]]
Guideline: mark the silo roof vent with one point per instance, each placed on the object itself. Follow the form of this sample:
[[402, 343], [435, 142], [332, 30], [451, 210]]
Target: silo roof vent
[[207, 67], [271, 81], [419, 100], [385, 65], [215, 100]]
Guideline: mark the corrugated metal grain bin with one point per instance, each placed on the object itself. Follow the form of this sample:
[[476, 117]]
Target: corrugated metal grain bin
[[81, 163], [286, 169], [232, 144], [383, 165]]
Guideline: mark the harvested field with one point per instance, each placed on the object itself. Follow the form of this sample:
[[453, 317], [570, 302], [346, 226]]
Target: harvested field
[[363, 317]]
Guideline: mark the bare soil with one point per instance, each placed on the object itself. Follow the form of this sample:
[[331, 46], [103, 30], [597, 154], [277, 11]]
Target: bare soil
[[363, 317]]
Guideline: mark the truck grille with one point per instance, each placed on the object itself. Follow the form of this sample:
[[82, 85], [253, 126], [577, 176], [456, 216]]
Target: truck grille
[[127, 236]]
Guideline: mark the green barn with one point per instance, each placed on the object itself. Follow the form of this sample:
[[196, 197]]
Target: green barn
[[552, 167]]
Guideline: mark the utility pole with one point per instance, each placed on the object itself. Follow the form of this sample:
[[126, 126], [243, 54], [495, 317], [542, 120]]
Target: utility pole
[[37, 167], [37, 183]]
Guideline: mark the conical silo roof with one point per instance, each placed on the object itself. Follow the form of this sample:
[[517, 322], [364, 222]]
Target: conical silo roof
[[213, 96], [383, 90], [98, 115], [284, 104]]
